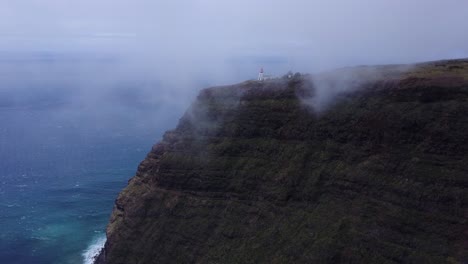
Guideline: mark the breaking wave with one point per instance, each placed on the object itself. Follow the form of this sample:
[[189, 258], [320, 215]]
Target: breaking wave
[[93, 250]]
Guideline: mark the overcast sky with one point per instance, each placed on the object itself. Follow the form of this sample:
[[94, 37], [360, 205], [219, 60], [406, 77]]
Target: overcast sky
[[216, 39]]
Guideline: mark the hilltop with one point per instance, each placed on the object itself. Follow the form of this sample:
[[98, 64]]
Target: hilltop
[[357, 165]]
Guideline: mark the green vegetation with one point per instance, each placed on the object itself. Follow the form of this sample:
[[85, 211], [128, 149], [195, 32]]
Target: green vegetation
[[252, 175]]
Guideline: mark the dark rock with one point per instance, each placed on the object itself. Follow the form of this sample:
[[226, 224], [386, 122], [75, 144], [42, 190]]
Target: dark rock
[[253, 175]]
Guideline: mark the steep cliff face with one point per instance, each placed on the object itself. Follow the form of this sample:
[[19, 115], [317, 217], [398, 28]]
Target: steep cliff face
[[253, 174]]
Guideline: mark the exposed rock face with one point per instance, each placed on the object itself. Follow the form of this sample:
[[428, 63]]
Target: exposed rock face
[[252, 175]]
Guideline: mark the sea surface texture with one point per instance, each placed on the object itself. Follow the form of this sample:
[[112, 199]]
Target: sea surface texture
[[60, 171]]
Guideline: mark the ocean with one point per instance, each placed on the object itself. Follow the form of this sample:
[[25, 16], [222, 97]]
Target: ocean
[[61, 169]]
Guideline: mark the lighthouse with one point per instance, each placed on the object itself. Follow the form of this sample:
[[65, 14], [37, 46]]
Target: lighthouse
[[260, 75]]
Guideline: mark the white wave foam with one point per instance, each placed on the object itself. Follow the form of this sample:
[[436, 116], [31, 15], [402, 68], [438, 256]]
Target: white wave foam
[[93, 250]]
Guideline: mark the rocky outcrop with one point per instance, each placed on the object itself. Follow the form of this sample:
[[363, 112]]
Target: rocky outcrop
[[253, 174]]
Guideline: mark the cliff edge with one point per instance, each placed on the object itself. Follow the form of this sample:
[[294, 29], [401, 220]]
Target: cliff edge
[[262, 172]]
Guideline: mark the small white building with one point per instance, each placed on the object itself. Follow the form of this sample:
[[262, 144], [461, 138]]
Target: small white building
[[260, 75]]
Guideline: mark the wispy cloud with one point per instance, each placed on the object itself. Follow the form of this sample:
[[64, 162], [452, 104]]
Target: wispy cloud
[[183, 42]]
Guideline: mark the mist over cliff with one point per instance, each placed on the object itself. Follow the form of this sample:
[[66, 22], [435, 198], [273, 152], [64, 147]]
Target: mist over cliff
[[158, 54], [259, 172], [185, 45]]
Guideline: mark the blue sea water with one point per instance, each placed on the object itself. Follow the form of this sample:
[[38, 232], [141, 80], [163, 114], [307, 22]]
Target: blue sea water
[[60, 172]]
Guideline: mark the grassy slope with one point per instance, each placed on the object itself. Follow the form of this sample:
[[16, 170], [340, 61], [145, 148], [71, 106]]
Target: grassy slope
[[251, 175]]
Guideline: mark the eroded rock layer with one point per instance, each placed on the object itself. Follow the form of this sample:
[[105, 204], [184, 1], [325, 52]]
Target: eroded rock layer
[[254, 174]]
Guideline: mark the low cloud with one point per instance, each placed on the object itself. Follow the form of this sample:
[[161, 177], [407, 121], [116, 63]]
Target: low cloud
[[160, 53]]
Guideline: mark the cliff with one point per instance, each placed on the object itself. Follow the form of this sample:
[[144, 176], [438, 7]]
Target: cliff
[[260, 172]]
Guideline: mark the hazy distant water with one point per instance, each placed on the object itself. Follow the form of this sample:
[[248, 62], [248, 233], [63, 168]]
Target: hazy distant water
[[60, 171]]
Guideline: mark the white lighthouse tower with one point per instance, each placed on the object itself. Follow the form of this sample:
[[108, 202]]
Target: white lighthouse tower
[[260, 75]]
